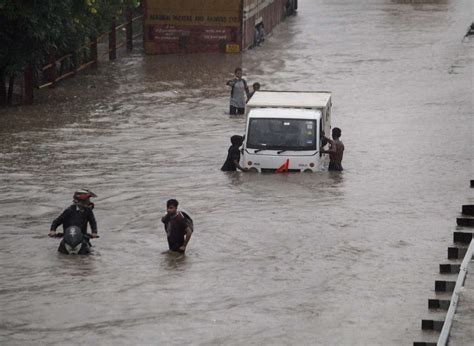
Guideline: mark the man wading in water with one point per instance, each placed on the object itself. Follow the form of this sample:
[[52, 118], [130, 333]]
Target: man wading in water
[[178, 227], [335, 151], [239, 93]]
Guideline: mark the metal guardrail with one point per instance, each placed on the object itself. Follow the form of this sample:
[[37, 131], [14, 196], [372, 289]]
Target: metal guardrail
[[444, 336], [94, 59]]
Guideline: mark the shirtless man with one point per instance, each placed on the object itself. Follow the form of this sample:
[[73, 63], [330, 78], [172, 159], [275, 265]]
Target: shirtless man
[[336, 150]]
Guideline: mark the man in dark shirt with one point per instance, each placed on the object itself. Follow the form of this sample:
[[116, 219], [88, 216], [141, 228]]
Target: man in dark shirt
[[177, 227], [233, 156], [78, 214]]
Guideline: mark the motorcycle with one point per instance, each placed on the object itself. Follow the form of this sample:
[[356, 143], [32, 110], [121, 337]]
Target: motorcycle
[[74, 242]]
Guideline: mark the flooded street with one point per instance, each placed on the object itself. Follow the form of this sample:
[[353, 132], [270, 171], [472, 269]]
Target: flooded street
[[309, 259]]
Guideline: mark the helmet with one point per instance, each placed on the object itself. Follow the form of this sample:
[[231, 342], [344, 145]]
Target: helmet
[[82, 198]]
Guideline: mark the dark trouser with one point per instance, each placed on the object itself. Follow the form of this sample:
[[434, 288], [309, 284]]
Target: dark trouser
[[177, 250], [175, 246], [235, 110], [335, 167]]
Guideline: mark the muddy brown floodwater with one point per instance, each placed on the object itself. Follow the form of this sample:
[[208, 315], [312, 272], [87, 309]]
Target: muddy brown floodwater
[[314, 259]]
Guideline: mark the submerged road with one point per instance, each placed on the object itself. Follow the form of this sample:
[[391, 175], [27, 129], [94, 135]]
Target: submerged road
[[312, 259]]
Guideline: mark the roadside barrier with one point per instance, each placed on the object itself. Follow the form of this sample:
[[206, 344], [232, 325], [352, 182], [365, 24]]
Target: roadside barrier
[[87, 55], [444, 336], [448, 291]]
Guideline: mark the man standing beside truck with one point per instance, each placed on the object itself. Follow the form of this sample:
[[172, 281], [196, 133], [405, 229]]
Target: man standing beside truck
[[336, 150], [233, 156]]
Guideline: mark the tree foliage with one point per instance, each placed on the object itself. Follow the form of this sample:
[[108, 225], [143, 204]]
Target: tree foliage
[[30, 29]]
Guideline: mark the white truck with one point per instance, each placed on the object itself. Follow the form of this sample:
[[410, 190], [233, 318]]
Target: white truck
[[284, 131]]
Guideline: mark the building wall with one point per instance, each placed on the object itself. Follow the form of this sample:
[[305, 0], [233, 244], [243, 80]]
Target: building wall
[[270, 12], [191, 26]]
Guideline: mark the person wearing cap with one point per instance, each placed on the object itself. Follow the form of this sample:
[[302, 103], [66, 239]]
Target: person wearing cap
[[79, 214]]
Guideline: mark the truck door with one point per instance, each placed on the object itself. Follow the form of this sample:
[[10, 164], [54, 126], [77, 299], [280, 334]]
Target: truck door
[[321, 129], [327, 124]]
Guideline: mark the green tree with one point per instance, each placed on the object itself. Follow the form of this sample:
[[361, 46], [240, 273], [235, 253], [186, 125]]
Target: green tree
[[30, 29]]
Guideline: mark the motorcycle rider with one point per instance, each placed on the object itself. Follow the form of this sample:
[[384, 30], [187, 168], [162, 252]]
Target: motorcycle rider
[[79, 214]]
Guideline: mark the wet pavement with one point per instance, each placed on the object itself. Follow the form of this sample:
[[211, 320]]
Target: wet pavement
[[320, 259]]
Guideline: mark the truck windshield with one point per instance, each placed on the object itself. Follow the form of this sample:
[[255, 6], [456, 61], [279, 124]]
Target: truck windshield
[[281, 134]]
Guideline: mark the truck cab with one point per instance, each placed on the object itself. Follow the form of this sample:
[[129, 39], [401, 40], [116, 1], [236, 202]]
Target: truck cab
[[284, 131]]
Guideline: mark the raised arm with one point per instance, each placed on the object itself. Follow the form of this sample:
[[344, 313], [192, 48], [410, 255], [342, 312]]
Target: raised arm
[[329, 140]]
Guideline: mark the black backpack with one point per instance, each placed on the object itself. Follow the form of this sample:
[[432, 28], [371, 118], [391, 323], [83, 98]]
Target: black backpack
[[189, 221]]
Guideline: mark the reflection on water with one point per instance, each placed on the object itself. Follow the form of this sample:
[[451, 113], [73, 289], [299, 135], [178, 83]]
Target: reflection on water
[[174, 261], [275, 258], [74, 265]]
